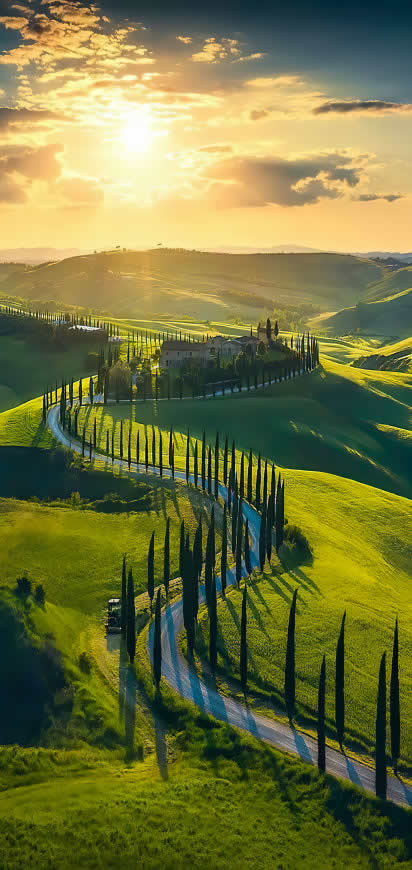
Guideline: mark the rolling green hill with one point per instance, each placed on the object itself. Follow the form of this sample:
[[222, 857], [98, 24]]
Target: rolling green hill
[[392, 357], [205, 285], [389, 316]]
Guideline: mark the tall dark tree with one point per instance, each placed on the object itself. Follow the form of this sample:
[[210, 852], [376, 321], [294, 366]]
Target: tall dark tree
[[250, 478], [187, 456], [290, 661], [91, 390], [153, 447], [265, 484], [197, 566], [137, 448], [380, 755], [248, 563], [225, 461], [321, 718], [216, 480], [121, 440], [170, 445], [131, 618], [107, 442], [242, 477], [123, 600], [182, 549], [243, 642], [235, 510], [208, 567], [209, 470], [166, 558], [340, 684], [223, 555], [172, 466], [80, 392], [160, 454], [258, 484], [146, 452], [268, 330], [213, 626], [273, 489], [262, 539], [129, 446], [204, 461], [233, 463], [150, 570], [394, 706], [195, 465], [157, 642], [188, 609], [239, 543], [269, 525]]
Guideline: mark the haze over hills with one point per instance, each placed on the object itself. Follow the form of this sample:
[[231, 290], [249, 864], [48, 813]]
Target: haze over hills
[[199, 284], [391, 316], [37, 255]]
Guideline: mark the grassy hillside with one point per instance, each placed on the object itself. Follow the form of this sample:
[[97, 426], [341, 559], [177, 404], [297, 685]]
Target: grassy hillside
[[360, 537], [205, 285], [390, 316], [339, 419], [390, 357]]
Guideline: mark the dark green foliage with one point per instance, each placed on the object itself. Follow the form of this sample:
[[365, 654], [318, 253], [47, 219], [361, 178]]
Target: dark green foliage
[[208, 566], [213, 536], [225, 461], [123, 598], [380, 757], [188, 607], [40, 595], [157, 642], [250, 478], [129, 446], [160, 454], [258, 484], [131, 618], [265, 484], [172, 464], [203, 472], [138, 448], [248, 562], [209, 470], [121, 439], [340, 684], [170, 442], [242, 477], [153, 447], [262, 538], [234, 522], [150, 570], [243, 642], [213, 626], [321, 718], [239, 543], [269, 525], [166, 558], [223, 557], [23, 587], [195, 465], [146, 452], [216, 481], [187, 456], [394, 707], [197, 566], [290, 687]]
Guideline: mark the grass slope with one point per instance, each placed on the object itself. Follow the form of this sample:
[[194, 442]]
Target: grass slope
[[391, 357], [389, 316], [199, 284]]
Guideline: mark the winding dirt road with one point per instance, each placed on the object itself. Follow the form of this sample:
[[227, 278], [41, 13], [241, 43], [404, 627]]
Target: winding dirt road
[[181, 677]]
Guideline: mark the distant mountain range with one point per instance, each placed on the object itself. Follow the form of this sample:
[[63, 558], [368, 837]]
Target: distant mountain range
[[34, 256]]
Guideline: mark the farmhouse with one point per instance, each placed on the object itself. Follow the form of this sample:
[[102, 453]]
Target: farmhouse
[[174, 352]]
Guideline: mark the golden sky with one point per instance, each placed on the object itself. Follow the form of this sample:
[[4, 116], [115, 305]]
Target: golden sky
[[111, 133]]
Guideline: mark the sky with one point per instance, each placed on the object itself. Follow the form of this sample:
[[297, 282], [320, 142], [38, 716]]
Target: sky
[[249, 124]]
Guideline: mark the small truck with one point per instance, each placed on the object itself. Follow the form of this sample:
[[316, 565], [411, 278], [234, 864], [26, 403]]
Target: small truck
[[113, 625]]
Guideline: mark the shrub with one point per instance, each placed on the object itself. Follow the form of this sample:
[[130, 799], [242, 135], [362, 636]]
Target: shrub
[[295, 544], [40, 595], [85, 663], [23, 586]]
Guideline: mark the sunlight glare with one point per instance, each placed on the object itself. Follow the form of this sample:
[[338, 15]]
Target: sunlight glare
[[136, 134]]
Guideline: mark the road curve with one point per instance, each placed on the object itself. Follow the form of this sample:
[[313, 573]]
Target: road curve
[[181, 677]]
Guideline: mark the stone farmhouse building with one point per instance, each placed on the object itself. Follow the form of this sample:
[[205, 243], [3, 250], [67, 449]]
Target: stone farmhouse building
[[175, 353]]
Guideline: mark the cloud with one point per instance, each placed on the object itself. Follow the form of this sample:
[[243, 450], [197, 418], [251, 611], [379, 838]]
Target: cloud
[[373, 197], [78, 189], [11, 116], [216, 149], [10, 191], [214, 50], [346, 107], [34, 163], [185, 39], [255, 182], [256, 55]]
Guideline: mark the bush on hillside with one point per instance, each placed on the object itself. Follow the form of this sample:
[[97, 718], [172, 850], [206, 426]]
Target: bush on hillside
[[40, 595], [23, 587], [295, 547]]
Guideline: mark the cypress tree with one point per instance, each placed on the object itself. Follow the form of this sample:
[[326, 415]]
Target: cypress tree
[[188, 609], [187, 457], [170, 445], [112, 445], [153, 447], [290, 661], [234, 522], [258, 484], [213, 626], [131, 618], [209, 470], [160, 454], [121, 439], [250, 478], [225, 458], [217, 466], [229, 494], [239, 543], [265, 484], [204, 461], [223, 555], [91, 390], [166, 558], [262, 539], [182, 549], [321, 718], [195, 468], [208, 567], [380, 757], [107, 442], [80, 392], [197, 567], [340, 684], [233, 462], [150, 570], [137, 448], [248, 563], [243, 643], [394, 707], [212, 536], [157, 642], [146, 452], [173, 461], [242, 477], [129, 446], [123, 609], [269, 524], [90, 449]]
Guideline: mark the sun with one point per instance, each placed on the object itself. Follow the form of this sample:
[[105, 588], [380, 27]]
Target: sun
[[136, 135]]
